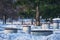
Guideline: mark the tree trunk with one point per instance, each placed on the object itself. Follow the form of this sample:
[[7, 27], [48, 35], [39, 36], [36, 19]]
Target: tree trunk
[[37, 16], [32, 21], [4, 19]]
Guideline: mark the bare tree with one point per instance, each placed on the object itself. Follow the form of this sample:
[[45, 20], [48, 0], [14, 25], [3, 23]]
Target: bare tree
[[37, 16], [6, 9], [37, 13]]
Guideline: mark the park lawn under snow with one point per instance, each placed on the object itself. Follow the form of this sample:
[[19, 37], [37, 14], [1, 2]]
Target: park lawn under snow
[[20, 36], [24, 36]]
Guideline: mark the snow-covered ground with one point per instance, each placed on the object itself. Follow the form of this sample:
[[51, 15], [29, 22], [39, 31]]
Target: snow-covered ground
[[20, 36], [53, 37], [24, 36]]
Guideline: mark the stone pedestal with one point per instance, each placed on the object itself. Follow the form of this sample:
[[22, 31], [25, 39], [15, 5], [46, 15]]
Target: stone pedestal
[[27, 29]]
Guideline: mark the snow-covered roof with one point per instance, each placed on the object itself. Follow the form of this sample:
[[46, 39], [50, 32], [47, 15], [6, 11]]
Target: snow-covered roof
[[56, 19]]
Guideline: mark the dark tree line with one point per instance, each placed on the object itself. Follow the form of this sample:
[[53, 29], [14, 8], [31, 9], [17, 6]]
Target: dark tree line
[[37, 8], [30, 8], [47, 8], [7, 10]]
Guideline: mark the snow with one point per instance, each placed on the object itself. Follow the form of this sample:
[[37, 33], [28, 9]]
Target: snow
[[56, 19], [20, 36], [54, 37], [10, 26], [24, 36]]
